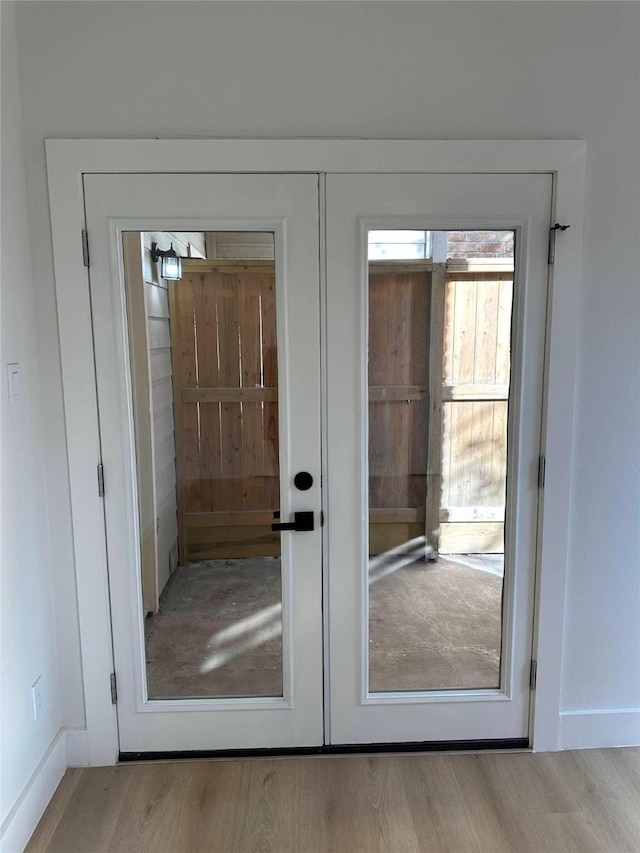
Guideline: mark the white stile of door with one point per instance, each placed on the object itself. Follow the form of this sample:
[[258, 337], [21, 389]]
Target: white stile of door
[[429, 202], [288, 206]]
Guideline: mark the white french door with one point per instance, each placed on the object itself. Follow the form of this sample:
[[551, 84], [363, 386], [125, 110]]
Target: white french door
[[246, 371], [428, 632], [425, 649]]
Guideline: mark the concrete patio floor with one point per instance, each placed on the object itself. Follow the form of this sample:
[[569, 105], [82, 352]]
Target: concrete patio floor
[[433, 625]]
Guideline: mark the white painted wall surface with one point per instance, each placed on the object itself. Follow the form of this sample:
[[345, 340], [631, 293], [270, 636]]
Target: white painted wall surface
[[163, 423], [28, 633], [428, 70]]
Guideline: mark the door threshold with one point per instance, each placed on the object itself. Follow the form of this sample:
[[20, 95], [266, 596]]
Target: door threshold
[[499, 744]]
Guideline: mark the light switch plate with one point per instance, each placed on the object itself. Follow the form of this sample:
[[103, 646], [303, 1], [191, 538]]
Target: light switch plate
[[13, 379]]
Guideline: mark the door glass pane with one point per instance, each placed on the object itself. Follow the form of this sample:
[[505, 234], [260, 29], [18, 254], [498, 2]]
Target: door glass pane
[[399, 245], [439, 371], [205, 380]]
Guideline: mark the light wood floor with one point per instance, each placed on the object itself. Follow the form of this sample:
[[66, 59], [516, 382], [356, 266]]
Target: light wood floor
[[571, 801]]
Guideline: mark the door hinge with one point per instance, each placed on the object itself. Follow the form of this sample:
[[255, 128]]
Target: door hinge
[[114, 688], [100, 480], [85, 248], [533, 674], [552, 240], [542, 470]]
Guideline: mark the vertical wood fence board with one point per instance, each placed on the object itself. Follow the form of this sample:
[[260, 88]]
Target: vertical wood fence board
[[434, 438], [251, 358], [270, 380], [420, 312], [178, 418], [503, 342], [486, 325], [187, 366], [231, 413]]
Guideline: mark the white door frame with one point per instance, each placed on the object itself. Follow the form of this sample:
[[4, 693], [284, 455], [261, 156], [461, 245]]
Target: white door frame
[[68, 160]]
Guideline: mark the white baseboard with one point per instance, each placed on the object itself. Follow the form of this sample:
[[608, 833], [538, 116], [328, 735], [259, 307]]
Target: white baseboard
[[23, 818], [77, 741], [598, 729]]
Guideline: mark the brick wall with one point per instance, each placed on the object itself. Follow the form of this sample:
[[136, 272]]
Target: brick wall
[[480, 244]]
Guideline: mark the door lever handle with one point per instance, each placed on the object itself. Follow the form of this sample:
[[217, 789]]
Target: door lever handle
[[303, 521]]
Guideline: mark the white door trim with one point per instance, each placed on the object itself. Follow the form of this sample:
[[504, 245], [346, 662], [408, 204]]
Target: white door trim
[[67, 160]]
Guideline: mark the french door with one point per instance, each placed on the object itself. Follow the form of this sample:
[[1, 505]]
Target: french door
[[211, 405], [232, 656], [435, 393]]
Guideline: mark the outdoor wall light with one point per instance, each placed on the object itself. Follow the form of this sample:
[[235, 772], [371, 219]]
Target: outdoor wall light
[[171, 263]]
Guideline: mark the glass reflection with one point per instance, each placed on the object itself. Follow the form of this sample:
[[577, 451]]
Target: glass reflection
[[439, 366], [205, 377]]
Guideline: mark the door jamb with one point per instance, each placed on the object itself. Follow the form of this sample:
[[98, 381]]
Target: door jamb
[[68, 160]]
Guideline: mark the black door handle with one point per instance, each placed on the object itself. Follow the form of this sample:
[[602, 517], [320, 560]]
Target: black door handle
[[302, 522]]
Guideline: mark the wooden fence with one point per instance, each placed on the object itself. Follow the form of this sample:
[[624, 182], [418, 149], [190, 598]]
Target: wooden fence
[[476, 367], [399, 331], [225, 397]]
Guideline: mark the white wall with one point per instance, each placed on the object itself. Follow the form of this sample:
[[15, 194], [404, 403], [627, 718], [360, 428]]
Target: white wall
[[432, 70], [162, 406], [28, 633]]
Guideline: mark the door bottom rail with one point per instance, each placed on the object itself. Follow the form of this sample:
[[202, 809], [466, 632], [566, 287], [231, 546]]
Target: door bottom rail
[[332, 749]]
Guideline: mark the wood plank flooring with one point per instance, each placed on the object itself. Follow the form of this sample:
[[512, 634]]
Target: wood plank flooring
[[578, 801]]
